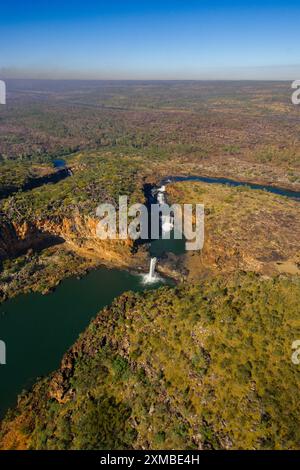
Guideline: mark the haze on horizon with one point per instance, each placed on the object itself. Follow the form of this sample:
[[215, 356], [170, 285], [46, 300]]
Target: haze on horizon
[[174, 40]]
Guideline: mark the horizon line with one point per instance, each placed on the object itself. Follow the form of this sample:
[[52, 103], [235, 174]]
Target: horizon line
[[153, 79]]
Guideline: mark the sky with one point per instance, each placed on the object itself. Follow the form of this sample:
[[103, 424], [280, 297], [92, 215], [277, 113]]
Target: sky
[[130, 39]]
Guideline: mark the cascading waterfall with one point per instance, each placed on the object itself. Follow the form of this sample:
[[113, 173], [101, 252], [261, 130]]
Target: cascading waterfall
[[161, 195], [160, 198], [151, 277], [152, 268], [167, 223]]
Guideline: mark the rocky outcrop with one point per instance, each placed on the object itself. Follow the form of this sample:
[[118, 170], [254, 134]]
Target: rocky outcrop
[[77, 231], [16, 239]]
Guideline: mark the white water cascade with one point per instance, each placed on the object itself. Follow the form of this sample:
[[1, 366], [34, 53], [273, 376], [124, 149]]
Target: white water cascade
[[167, 223], [161, 195], [151, 277], [160, 198]]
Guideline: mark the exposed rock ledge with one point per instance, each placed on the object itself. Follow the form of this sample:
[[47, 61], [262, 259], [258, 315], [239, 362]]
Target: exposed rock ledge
[[79, 232]]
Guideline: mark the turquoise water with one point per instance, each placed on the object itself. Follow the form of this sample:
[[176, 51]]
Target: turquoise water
[[38, 329]]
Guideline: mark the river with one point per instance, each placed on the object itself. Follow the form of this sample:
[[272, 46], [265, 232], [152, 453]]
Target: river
[[39, 329], [229, 182]]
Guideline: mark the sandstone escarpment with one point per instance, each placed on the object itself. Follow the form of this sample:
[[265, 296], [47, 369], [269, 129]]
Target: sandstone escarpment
[[77, 231], [16, 239]]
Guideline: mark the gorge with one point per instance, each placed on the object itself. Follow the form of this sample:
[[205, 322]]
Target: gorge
[[39, 329]]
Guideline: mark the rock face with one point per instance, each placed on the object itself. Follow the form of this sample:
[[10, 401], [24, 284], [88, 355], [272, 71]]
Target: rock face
[[78, 232], [65, 212], [18, 238]]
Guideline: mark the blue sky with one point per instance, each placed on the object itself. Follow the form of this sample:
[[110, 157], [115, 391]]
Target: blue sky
[[188, 39]]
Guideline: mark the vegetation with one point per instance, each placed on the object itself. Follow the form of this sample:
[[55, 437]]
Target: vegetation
[[245, 229], [196, 366], [53, 213], [96, 179], [200, 366], [40, 272], [228, 128], [17, 176]]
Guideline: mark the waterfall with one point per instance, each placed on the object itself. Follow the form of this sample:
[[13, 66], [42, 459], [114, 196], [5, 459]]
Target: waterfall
[[151, 277], [151, 274], [161, 195], [167, 223], [160, 198]]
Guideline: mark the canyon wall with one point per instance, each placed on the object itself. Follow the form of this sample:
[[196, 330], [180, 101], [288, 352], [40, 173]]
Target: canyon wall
[[77, 231]]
